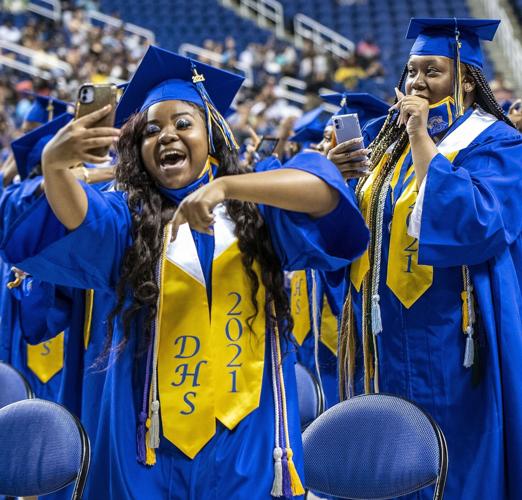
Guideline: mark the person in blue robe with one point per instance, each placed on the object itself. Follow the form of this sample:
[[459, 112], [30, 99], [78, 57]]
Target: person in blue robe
[[320, 355], [434, 310], [176, 164]]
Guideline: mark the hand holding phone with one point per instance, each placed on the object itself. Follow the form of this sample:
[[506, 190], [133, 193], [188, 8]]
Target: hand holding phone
[[92, 97], [349, 154]]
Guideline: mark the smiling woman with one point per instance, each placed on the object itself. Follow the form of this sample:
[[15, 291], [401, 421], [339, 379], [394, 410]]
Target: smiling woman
[[436, 300], [200, 363]]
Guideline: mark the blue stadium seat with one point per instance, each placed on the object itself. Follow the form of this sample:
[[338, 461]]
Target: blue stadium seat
[[44, 449], [309, 394], [13, 386], [374, 446]]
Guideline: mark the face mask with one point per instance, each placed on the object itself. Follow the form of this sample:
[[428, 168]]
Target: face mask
[[441, 116]]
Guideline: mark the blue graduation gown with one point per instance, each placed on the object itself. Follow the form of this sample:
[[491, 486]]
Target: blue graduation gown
[[331, 286], [46, 318], [233, 464], [471, 216]]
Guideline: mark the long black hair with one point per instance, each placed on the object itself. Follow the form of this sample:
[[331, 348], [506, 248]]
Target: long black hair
[[151, 211]]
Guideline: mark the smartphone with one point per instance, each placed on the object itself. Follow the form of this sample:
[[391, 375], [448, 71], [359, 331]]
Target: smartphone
[[346, 127], [92, 97], [266, 146]]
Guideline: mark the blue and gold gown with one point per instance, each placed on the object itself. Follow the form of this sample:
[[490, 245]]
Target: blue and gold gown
[[470, 216], [217, 426]]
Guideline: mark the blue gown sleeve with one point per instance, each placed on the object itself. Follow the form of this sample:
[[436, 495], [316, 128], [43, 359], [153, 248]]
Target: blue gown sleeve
[[44, 309], [88, 257], [328, 243], [471, 209], [15, 199]]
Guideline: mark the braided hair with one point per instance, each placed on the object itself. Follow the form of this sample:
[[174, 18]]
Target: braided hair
[[484, 95], [150, 213]]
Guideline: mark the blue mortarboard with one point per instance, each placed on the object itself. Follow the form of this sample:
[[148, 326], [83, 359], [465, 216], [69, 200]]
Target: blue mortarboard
[[163, 75], [44, 108], [437, 37], [28, 149], [310, 126], [365, 105]]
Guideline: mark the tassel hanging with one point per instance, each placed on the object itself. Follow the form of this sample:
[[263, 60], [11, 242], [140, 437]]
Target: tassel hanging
[[468, 318], [469, 354], [140, 438], [212, 114], [376, 315], [459, 101], [295, 480], [277, 486], [154, 425], [287, 480]]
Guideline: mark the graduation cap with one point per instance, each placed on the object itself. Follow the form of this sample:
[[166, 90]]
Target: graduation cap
[[163, 75], [365, 105], [439, 37], [28, 149], [44, 108], [310, 126], [456, 38]]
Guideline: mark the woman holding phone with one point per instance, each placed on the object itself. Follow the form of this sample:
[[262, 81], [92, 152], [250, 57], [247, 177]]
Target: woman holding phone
[[434, 312], [199, 399]]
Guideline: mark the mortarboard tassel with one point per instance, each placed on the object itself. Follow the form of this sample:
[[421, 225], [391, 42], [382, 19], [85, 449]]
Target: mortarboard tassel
[[459, 104], [212, 114]]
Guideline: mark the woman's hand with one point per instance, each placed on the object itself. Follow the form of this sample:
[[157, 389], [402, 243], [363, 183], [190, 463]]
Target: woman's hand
[[351, 158], [73, 143], [196, 208], [413, 113]]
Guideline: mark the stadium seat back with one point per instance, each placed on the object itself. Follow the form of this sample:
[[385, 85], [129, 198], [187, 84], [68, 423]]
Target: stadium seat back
[[309, 395], [374, 446], [44, 449], [13, 385]]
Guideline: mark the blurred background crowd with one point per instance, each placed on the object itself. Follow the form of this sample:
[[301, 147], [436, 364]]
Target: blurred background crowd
[[74, 49]]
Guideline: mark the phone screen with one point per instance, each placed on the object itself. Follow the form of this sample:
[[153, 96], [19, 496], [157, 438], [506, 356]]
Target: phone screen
[[346, 127], [267, 146]]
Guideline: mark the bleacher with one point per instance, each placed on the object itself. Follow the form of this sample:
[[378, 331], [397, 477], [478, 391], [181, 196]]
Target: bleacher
[[384, 21], [186, 21]]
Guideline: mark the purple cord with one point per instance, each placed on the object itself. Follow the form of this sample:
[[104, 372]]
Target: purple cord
[[142, 419]]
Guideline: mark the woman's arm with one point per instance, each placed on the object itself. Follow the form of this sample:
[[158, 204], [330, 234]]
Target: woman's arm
[[70, 146], [285, 188]]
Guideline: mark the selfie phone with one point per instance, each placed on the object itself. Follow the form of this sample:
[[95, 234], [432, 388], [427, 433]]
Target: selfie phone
[[346, 127], [266, 146], [92, 97]]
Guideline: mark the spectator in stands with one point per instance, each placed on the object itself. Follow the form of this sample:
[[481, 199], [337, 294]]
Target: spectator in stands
[[349, 72], [367, 49]]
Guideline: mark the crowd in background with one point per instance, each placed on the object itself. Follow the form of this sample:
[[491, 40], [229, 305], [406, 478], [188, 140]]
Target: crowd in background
[[105, 53]]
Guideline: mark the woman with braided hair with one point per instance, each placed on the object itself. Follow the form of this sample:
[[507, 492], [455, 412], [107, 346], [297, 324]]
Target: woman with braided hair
[[199, 399], [434, 311]]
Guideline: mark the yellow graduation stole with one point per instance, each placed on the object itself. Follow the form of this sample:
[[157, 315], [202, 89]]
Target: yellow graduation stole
[[87, 321], [329, 327], [210, 365], [301, 310], [45, 360], [405, 277], [299, 306]]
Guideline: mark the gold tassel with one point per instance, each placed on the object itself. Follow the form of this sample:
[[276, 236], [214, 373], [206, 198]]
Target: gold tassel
[[295, 480]]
